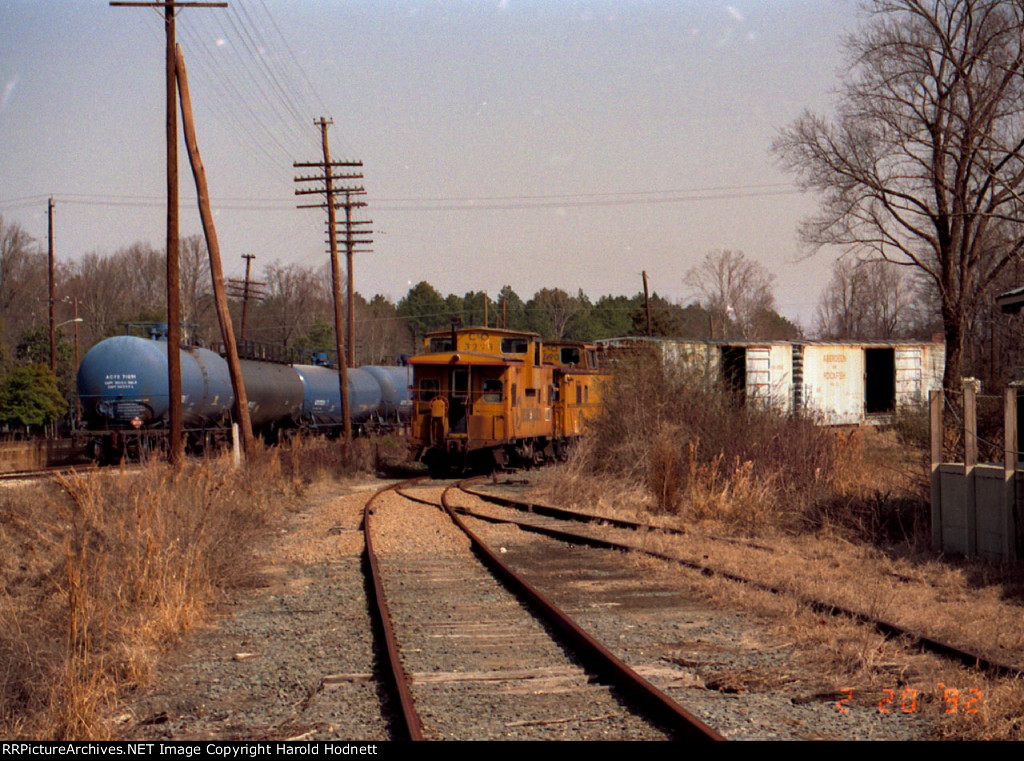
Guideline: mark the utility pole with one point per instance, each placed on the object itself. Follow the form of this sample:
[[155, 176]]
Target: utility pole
[[647, 306], [245, 290], [49, 238], [176, 446], [328, 190], [78, 402], [353, 237], [216, 272]]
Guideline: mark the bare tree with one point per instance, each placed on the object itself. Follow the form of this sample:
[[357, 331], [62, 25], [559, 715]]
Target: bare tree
[[380, 335], [922, 165], [865, 299], [737, 291], [23, 293], [127, 285], [296, 296], [196, 286]]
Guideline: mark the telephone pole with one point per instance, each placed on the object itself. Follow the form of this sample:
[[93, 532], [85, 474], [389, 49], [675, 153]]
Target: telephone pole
[[176, 446], [245, 290], [49, 247], [354, 236], [328, 177], [647, 305]]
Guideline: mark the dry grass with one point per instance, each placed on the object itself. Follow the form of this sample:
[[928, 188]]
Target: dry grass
[[703, 456], [842, 517], [101, 572]]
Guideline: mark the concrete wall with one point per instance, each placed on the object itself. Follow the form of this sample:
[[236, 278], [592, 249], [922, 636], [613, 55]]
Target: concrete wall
[[30, 455]]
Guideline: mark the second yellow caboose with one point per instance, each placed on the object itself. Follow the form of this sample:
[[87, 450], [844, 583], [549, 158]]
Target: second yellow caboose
[[577, 383]]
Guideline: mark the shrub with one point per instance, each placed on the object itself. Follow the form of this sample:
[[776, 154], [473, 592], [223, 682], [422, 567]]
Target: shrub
[[703, 453]]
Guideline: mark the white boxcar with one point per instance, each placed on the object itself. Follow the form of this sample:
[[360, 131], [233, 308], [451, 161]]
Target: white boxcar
[[840, 382]]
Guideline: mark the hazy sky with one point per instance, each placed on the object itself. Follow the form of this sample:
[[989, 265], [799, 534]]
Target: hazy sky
[[535, 143]]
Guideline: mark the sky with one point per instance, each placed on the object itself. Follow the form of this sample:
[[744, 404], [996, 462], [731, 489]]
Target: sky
[[535, 143]]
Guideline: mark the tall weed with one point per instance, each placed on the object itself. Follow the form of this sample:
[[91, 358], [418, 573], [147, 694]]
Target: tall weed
[[102, 571], [703, 454]]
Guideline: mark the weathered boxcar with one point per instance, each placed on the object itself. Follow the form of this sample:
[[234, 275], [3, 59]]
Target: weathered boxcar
[[838, 382]]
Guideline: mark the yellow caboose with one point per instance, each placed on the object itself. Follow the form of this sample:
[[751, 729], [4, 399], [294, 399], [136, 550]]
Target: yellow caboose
[[577, 389], [482, 396]]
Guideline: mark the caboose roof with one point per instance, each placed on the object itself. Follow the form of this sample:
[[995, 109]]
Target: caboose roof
[[463, 358]]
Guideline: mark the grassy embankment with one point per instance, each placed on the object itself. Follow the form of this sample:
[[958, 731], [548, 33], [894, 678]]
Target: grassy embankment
[[841, 516], [101, 572]]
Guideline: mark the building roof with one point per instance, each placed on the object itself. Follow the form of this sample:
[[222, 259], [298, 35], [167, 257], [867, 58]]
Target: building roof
[[1011, 301]]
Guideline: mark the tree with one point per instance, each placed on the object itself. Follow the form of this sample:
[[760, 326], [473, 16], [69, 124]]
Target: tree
[[196, 284], [922, 164], [380, 336], [735, 290], [23, 291], [551, 311], [511, 309], [29, 396], [34, 348], [423, 310], [296, 296], [865, 299]]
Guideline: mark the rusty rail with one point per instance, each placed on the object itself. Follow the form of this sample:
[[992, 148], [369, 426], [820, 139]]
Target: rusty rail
[[965, 657], [397, 675], [658, 705]]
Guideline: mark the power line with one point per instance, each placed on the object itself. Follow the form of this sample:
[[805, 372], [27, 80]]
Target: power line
[[644, 197]]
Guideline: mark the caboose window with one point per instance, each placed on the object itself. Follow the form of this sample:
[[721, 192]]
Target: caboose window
[[514, 345], [492, 390], [441, 343], [429, 388], [570, 355]]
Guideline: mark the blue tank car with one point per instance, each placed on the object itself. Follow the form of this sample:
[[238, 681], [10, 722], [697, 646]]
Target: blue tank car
[[124, 379], [122, 385]]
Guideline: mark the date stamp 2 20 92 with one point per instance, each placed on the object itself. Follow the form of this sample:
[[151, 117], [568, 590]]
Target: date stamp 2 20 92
[[954, 700]]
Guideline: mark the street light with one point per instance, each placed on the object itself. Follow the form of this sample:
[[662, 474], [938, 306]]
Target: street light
[[75, 320]]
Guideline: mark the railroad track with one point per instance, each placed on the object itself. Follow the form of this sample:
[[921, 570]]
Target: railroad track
[[20, 475], [551, 521], [472, 658]]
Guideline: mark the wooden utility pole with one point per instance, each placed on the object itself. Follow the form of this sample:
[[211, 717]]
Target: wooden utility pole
[[245, 291], [78, 402], [49, 246], [216, 272], [328, 190], [176, 445], [647, 306], [353, 238]]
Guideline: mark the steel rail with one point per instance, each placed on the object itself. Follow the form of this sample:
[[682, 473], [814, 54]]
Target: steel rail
[[14, 475], [581, 517], [658, 705], [396, 673], [888, 628]]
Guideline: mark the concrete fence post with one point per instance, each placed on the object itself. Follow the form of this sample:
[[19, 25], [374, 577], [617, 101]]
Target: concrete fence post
[[936, 430], [971, 388], [1011, 459]]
